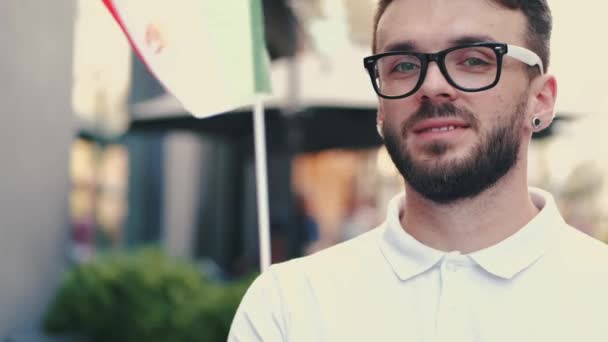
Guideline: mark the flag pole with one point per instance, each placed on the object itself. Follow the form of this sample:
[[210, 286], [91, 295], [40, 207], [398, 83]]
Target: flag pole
[[261, 175]]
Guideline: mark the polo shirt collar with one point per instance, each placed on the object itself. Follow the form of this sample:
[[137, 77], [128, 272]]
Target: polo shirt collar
[[408, 257], [522, 249]]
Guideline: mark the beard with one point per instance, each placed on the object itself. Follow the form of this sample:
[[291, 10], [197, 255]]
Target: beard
[[453, 180]]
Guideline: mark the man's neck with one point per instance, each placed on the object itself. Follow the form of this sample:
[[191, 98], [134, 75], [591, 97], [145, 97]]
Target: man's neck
[[472, 224]]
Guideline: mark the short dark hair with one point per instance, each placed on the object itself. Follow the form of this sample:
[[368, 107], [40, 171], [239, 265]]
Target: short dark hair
[[537, 13]]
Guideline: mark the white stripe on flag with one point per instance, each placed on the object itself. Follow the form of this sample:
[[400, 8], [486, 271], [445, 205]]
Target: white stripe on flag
[[201, 51]]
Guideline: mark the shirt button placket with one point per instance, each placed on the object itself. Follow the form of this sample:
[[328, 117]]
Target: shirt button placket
[[449, 319]]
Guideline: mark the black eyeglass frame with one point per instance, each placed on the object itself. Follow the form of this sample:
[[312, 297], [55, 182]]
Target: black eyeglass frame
[[500, 49]]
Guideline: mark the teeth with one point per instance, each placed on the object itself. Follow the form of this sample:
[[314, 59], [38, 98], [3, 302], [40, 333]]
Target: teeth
[[442, 129]]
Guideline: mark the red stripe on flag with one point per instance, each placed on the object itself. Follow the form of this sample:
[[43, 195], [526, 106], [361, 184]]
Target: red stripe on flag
[[110, 6]]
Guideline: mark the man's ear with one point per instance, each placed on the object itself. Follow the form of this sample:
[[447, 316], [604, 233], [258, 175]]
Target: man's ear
[[544, 95]]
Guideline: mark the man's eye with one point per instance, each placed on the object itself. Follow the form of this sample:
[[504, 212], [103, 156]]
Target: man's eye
[[406, 67], [475, 62]]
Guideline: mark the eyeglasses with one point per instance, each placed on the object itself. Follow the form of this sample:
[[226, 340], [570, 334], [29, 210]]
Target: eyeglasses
[[471, 68]]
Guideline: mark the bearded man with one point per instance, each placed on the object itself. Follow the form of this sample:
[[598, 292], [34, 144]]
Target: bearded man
[[468, 252]]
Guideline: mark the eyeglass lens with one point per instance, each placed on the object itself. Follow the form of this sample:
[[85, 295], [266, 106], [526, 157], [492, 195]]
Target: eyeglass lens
[[469, 68]]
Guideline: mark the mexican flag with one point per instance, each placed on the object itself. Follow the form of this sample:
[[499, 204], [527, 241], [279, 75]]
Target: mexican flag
[[209, 54]]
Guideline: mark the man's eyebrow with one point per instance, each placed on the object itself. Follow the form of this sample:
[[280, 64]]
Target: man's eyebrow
[[400, 46], [471, 40], [411, 46]]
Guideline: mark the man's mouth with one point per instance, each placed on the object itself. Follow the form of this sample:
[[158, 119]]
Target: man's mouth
[[440, 129], [439, 126]]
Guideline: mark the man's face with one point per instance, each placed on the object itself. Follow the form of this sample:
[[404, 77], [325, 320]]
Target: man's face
[[450, 144]]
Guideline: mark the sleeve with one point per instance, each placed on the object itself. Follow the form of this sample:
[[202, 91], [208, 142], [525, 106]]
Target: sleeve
[[260, 316]]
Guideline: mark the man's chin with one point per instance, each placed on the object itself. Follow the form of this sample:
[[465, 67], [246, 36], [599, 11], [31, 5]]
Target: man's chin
[[432, 162]]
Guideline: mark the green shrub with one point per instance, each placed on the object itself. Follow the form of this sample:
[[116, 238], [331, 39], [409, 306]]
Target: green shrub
[[143, 296]]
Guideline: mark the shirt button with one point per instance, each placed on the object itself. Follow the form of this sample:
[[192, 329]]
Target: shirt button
[[452, 267]]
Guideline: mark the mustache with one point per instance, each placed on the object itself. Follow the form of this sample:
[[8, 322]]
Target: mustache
[[430, 110]]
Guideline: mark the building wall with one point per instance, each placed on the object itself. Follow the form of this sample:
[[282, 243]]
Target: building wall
[[184, 152], [35, 136]]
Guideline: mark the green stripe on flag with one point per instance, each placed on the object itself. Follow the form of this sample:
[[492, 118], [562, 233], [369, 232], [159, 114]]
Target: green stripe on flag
[[260, 57]]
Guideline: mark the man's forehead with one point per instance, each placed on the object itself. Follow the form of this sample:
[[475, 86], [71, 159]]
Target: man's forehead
[[430, 25]]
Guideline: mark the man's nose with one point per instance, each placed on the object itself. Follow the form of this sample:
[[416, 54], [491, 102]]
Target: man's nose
[[435, 86]]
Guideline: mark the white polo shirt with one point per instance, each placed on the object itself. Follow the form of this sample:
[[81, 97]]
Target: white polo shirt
[[547, 282]]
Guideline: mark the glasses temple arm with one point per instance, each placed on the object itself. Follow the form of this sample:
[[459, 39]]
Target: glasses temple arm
[[525, 56]]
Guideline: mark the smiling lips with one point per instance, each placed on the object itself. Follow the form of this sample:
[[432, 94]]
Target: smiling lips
[[439, 126]]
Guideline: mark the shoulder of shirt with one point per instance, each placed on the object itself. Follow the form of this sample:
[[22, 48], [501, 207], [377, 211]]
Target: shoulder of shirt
[[341, 260], [582, 251]]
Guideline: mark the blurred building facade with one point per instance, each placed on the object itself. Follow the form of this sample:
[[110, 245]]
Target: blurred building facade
[[36, 131]]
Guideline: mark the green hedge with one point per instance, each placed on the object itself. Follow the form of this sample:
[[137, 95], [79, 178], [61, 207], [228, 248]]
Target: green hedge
[[143, 296]]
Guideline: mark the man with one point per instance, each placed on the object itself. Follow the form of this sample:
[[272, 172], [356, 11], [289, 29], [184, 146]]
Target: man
[[469, 253]]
